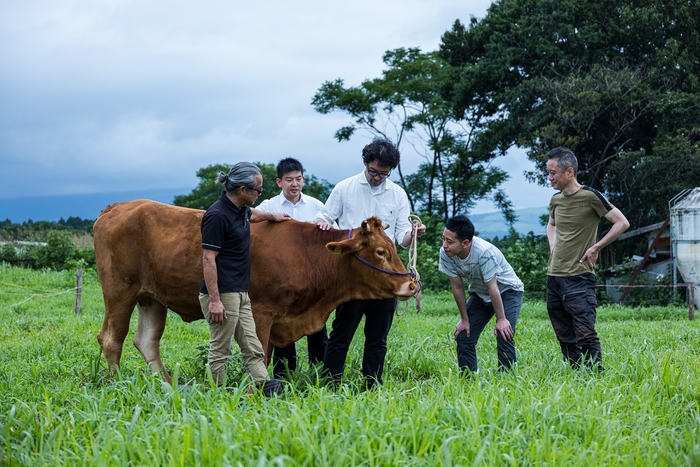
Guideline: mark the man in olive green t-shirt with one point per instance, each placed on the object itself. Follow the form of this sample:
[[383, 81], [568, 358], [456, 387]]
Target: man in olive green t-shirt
[[574, 213]]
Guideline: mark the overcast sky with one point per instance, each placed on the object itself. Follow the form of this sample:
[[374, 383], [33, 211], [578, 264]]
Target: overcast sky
[[105, 96]]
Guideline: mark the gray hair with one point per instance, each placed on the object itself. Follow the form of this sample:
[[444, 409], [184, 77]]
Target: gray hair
[[565, 158], [241, 174]]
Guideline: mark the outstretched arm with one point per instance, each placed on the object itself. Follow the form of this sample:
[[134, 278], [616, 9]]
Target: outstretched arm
[[258, 216]]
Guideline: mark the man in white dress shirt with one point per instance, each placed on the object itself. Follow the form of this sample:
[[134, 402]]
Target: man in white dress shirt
[[290, 178], [369, 193]]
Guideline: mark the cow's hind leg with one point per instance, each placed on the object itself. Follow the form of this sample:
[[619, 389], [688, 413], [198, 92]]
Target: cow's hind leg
[[152, 316], [115, 326], [263, 324]]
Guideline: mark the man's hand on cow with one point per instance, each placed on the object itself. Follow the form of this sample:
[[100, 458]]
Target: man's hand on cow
[[323, 225], [217, 312], [280, 216], [258, 216]]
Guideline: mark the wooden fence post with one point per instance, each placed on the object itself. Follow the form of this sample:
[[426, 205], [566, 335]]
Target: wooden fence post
[[78, 290], [691, 301]]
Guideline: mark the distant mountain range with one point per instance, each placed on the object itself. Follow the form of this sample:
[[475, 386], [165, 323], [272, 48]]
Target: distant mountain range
[[53, 208], [492, 224]]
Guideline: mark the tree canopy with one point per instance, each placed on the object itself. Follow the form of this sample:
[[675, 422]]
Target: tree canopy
[[407, 104], [209, 190], [617, 82]]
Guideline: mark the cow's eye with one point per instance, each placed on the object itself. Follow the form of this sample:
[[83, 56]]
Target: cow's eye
[[380, 251]]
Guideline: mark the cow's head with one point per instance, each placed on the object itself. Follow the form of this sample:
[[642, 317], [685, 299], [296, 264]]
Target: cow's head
[[377, 260]]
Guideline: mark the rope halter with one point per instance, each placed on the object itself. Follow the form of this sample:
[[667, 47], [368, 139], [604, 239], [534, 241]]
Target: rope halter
[[411, 270]]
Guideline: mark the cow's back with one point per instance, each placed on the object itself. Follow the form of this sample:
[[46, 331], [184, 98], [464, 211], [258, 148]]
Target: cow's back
[[155, 247]]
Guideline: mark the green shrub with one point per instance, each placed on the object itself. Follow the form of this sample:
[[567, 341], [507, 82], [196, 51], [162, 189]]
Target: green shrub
[[59, 253], [86, 255], [58, 250], [8, 253], [528, 254]]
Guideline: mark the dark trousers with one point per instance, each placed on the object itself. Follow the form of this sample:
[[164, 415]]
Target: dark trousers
[[571, 305], [379, 315], [480, 313], [285, 358]]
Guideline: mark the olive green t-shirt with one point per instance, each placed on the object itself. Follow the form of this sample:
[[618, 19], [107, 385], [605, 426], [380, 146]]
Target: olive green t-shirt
[[576, 219]]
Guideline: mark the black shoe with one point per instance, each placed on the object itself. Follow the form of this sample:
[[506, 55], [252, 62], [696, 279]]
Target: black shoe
[[467, 374], [331, 381], [370, 384], [272, 388]]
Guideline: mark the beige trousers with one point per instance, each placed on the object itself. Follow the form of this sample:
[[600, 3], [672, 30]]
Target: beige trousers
[[239, 324]]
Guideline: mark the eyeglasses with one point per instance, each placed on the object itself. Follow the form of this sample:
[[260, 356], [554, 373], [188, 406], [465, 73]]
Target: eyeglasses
[[374, 173], [259, 190]]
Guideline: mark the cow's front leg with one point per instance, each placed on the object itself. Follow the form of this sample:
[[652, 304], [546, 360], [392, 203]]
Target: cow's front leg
[[152, 316]]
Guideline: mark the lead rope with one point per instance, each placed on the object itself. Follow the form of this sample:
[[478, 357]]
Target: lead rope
[[412, 258]]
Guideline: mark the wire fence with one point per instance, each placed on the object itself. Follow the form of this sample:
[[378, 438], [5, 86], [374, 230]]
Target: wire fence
[[78, 290], [626, 299]]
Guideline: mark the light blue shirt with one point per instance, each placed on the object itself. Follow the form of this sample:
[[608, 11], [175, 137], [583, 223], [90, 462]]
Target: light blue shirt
[[303, 210], [483, 263], [353, 200]]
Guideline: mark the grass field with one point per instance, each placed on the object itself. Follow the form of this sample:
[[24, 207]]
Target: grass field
[[59, 406]]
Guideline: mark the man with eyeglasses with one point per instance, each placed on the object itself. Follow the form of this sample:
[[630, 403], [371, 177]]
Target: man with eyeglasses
[[226, 266], [369, 193]]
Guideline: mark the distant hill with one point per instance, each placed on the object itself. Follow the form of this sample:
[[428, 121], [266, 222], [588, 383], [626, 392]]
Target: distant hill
[[53, 208], [492, 224]]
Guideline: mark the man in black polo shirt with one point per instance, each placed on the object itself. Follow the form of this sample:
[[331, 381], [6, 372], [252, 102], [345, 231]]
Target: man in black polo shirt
[[226, 263]]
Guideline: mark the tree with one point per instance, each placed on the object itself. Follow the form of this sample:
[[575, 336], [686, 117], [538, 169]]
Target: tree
[[408, 101], [617, 82], [209, 189], [319, 189]]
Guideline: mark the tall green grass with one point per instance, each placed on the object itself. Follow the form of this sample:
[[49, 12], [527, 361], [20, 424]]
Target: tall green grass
[[59, 405]]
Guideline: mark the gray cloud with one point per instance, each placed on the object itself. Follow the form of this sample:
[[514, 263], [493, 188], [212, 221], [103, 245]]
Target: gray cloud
[[107, 96]]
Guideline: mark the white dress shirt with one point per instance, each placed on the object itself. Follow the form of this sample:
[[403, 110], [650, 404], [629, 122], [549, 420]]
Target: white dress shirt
[[303, 210], [353, 200]]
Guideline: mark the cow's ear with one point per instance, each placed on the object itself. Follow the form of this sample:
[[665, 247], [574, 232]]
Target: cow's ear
[[344, 247]]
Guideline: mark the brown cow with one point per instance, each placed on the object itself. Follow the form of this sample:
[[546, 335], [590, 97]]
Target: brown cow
[[150, 254]]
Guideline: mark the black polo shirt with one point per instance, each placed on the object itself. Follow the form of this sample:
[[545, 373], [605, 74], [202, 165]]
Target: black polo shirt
[[226, 229]]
